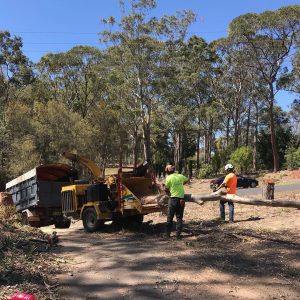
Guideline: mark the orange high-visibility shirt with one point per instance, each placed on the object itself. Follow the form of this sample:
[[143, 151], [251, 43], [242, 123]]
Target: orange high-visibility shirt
[[231, 182]]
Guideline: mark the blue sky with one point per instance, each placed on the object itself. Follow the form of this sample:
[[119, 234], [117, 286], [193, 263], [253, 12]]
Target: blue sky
[[58, 25]]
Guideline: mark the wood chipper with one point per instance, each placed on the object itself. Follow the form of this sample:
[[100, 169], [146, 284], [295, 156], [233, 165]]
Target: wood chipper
[[124, 197]]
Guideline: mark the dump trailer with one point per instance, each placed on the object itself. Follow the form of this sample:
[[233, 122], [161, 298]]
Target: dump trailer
[[37, 194], [121, 197]]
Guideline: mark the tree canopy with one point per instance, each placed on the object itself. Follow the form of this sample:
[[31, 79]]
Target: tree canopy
[[155, 93]]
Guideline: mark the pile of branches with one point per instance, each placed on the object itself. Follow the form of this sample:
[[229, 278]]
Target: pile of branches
[[26, 259]]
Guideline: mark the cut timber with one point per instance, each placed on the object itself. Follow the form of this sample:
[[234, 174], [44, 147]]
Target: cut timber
[[200, 199], [162, 200], [268, 189]]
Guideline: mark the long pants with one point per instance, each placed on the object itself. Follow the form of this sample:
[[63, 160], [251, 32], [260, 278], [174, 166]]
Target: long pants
[[231, 209], [174, 208]]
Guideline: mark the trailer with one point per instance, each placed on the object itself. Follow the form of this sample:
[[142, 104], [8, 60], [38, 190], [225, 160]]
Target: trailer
[[37, 194]]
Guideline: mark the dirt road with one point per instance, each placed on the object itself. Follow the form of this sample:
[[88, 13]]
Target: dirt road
[[258, 257]]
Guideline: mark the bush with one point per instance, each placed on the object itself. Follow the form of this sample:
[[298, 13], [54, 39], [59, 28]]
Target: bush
[[292, 157], [206, 171], [241, 158]]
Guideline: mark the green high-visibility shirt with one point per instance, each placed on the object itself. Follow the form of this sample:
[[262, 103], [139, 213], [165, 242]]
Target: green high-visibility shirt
[[174, 184]]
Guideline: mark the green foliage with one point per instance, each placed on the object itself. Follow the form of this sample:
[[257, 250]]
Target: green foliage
[[153, 93], [23, 156], [292, 157], [241, 158], [220, 158], [206, 171]]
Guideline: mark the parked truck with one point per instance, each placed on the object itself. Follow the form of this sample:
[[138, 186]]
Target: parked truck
[[37, 194], [123, 197]]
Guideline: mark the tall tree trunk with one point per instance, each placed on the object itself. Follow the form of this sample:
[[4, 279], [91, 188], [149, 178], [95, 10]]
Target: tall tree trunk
[[121, 153], [147, 140], [254, 162], [210, 135], [135, 145], [206, 142], [227, 131], [198, 148], [236, 129], [272, 131], [178, 150], [248, 125]]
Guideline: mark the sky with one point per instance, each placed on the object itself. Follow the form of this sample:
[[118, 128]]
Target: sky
[[58, 25]]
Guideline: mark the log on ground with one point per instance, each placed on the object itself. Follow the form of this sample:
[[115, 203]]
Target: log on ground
[[217, 196]]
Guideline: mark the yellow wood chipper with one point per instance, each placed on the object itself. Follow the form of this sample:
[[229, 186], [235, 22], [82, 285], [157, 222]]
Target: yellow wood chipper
[[124, 197]]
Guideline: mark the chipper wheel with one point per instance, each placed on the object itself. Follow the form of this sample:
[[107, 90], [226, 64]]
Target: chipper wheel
[[90, 221]]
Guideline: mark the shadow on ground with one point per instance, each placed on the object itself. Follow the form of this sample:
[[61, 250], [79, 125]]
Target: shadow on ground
[[141, 252]]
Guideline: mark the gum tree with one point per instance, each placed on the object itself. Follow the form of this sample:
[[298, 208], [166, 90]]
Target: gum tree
[[267, 40]]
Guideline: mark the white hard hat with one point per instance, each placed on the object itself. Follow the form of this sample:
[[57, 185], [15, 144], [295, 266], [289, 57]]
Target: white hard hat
[[228, 166]]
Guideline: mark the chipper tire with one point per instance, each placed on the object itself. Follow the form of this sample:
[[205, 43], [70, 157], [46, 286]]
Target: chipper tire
[[90, 221]]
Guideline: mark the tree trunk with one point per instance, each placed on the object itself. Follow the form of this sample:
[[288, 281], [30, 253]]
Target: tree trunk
[[210, 141], [205, 146], [272, 131], [135, 146], [254, 163], [236, 125], [268, 190], [227, 131], [178, 151], [147, 141], [201, 199], [198, 149], [248, 125]]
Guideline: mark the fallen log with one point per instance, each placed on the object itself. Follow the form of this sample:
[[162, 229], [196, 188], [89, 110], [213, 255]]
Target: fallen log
[[217, 196]]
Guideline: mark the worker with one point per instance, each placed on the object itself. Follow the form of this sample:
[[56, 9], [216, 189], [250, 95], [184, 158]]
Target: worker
[[174, 188], [230, 182]]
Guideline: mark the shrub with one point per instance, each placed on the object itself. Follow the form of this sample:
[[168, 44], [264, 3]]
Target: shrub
[[206, 171], [292, 157], [241, 158]]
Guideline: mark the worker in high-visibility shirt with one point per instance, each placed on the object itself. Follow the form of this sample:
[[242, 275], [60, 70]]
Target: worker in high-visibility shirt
[[174, 187], [230, 182]]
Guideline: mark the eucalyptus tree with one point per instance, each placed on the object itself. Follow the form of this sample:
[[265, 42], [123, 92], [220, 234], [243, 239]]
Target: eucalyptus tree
[[75, 77], [119, 98], [15, 68], [139, 38], [283, 133], [267, 40], [198, 69], [15, 73], [177, 102]]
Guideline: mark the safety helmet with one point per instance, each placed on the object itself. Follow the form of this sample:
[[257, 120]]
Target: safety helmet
[[229, 167], [170, 168]]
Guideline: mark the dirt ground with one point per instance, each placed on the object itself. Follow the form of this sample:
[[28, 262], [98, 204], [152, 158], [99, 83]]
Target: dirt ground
[[257, 257]]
